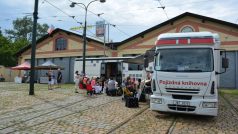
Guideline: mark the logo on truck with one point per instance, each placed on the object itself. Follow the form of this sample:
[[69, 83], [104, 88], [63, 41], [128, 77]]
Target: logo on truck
[[187, 83]]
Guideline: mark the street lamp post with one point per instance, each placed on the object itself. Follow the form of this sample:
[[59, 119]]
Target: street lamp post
[[85, 26], [33, 49]]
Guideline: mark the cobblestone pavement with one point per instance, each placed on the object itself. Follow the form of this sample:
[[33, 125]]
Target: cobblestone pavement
[[226, 122], [233, 99], [62, 111], [16, 96], [76, 113], [153, 123]]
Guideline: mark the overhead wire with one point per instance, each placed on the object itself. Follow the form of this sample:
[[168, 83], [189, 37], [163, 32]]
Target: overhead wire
[[236, 22], [73, 17], [163, 7], [115, 26], [43, 1]]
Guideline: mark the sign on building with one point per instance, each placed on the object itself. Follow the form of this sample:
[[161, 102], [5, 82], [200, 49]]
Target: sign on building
[[80, 27], [100, 28]]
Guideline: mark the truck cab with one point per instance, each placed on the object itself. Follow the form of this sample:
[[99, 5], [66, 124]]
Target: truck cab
[[185, 78]]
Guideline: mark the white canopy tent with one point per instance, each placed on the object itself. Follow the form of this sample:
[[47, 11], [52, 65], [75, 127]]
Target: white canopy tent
[[48, 65]]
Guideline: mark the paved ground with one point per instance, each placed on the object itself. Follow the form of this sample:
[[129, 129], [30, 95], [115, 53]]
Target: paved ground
[[63, 111]]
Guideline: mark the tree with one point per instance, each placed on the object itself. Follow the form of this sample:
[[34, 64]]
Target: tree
[[8, 49], [17, 38], [0, 32], [22, 29], [6, 52]]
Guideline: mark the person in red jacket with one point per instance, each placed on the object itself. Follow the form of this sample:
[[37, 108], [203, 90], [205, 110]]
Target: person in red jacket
[[89, 87]]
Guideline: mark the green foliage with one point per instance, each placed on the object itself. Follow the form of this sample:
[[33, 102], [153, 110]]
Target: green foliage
[[8, 49], [19, 44], [17, 38], [0, 32], [22, 29], [41, 30], [5, 52]]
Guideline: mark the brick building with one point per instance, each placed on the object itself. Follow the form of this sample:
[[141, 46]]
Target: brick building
[[62, 46]]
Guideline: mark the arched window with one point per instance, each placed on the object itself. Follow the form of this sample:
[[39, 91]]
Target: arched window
[[60, 44], [187, 29]]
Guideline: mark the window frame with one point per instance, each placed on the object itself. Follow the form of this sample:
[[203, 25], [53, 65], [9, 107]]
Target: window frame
[[56, 44], [187, 26]]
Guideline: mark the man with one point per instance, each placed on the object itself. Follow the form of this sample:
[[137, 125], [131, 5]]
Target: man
[[111, 87], [59, 78]]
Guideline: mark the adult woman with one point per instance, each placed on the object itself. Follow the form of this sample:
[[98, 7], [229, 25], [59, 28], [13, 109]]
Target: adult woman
[[76, 80], [50, 80]]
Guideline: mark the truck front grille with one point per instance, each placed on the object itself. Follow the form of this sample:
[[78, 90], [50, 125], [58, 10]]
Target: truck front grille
[[182, 97], [181, 107], [182, 90]]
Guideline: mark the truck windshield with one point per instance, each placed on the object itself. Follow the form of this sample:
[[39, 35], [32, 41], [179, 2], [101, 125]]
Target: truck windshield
[[184, 60]]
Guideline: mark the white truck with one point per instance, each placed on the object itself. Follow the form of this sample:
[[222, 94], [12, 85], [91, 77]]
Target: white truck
[[186, 73]]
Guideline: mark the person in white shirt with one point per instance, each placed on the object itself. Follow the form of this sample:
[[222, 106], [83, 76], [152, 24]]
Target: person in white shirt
[[76, 80], [111, 86]]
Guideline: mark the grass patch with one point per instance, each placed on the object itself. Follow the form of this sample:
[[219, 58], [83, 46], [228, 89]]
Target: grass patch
[[229, 91], [67, 85]]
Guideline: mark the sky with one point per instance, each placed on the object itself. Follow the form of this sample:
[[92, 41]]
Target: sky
[[125, 17]]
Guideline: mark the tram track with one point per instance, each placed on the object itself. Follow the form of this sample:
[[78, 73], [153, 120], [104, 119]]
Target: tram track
[[229, 103], [127, 120], [39, 104], [139, 115], [53, 111], [36, 111], [172, 126]]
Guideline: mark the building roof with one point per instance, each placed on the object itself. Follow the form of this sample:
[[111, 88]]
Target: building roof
[[51, 35], [116, 44], [171, 21]]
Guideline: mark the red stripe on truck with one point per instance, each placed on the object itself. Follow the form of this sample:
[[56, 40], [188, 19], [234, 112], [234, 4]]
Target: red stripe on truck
[[201, 41], [166, 42], [185, 41], [182, 41]]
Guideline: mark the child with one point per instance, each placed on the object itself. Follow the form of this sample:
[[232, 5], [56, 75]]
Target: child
[[89, 87], [85, 78]]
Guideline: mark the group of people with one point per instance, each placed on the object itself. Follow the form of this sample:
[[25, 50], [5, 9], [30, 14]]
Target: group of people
[[52, 81], [96, 85], [137, 88], [93, 86]]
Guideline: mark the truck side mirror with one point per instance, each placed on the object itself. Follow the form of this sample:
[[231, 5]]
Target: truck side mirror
[[225, 63], [224, 60]]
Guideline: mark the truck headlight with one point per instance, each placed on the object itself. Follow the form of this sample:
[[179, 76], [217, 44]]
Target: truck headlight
[[156, 100], [209, 104]]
